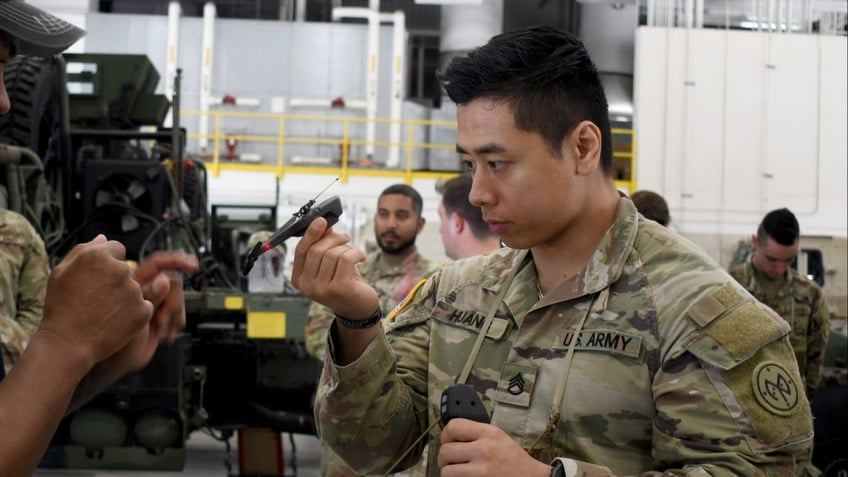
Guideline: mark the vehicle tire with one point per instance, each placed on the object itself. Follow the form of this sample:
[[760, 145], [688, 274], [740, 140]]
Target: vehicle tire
[[34, 120]]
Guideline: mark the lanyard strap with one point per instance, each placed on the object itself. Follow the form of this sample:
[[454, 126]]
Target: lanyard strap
[[489, 318]]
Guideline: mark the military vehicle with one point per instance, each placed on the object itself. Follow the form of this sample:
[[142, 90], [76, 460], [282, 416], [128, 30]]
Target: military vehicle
[[85, 152]]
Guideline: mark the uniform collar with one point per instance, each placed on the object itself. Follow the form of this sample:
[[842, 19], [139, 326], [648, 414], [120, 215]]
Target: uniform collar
[[607, 262], [603, 269]]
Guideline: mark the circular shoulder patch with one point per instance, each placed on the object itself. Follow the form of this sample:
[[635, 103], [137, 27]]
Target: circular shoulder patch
[[775, 389]]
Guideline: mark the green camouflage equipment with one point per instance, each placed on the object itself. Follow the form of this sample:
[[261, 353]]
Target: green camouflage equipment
[[801, 303], [23, 282], [676, 369], [393, 281]]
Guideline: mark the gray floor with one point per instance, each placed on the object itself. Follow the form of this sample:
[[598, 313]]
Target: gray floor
[[206, 456]]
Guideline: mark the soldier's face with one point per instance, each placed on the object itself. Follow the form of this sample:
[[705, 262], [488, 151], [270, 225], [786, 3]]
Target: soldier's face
[[7, 51], [773, 258], [396, 223], [529, 196]]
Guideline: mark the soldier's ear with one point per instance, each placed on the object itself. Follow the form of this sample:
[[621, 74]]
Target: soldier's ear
[[458, 222]]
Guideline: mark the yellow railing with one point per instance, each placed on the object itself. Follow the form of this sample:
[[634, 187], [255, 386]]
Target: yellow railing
[[624, 158], [623, 148]]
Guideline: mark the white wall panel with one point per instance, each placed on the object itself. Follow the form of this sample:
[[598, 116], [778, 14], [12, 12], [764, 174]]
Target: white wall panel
[[792, 123], [833, 136], [743, 122], [732, 124], [649, 105], [703, 123], [673, 156]]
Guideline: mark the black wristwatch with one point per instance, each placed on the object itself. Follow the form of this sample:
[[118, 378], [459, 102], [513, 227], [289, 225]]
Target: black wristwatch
[[557, 468], [361, 324]]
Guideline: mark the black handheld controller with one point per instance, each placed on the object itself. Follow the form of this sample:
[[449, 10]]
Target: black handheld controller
[[330, 209], [461, 400]]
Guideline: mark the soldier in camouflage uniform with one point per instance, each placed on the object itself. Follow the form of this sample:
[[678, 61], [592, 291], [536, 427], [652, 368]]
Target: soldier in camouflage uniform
[[800, 301], [101, 320], [392, 271], [23, 282], [602, 345]]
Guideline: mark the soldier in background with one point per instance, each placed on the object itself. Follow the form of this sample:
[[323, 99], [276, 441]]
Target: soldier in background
[[268, 273], [23, 282], [600, 343], [767, 274], [464, 231], [652, 205], [393, 271]]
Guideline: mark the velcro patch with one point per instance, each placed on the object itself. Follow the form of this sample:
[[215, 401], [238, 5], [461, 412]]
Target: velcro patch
[[767, 387], [744, 330], [711, 306], [473, 321], [516, 384], [775, 389], [609, 341]]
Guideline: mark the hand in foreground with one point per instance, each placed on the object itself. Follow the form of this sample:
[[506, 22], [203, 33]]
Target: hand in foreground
[[325, 270], [93, 303], [162, 285], [470, 448]]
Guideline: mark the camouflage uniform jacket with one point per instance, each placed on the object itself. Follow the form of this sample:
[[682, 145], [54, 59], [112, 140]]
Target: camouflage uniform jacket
[[23, 282], [801, 303], [392, 280], [673, 366]]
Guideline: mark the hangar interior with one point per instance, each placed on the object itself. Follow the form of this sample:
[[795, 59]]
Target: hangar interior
[[729, 109]]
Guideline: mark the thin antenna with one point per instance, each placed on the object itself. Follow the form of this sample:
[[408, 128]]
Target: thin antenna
[[325, 188], [303, 210]]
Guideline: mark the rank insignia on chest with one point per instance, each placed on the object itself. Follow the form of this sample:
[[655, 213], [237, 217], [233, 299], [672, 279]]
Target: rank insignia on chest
[[516, 383]]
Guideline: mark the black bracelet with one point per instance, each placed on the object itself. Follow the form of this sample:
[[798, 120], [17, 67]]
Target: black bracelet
[[361, 324]]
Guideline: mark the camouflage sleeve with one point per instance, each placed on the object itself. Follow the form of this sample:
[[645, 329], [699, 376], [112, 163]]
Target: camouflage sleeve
[[32, 284], [318, 321], [728, 394], [817, 335], [729, 399], [372, 411]]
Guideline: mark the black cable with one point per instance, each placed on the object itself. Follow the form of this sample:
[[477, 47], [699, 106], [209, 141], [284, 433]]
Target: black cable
[[293, 459], [96, 215], [224, 437]]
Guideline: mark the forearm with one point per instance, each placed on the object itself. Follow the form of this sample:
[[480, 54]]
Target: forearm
[[34, 398], [350, 344], [365, 405], [93, 383]]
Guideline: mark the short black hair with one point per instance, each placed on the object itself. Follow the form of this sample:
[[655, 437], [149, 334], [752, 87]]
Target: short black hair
[[545, 75], [455, 199], [781, 225], [652, 205], [405, 190]]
